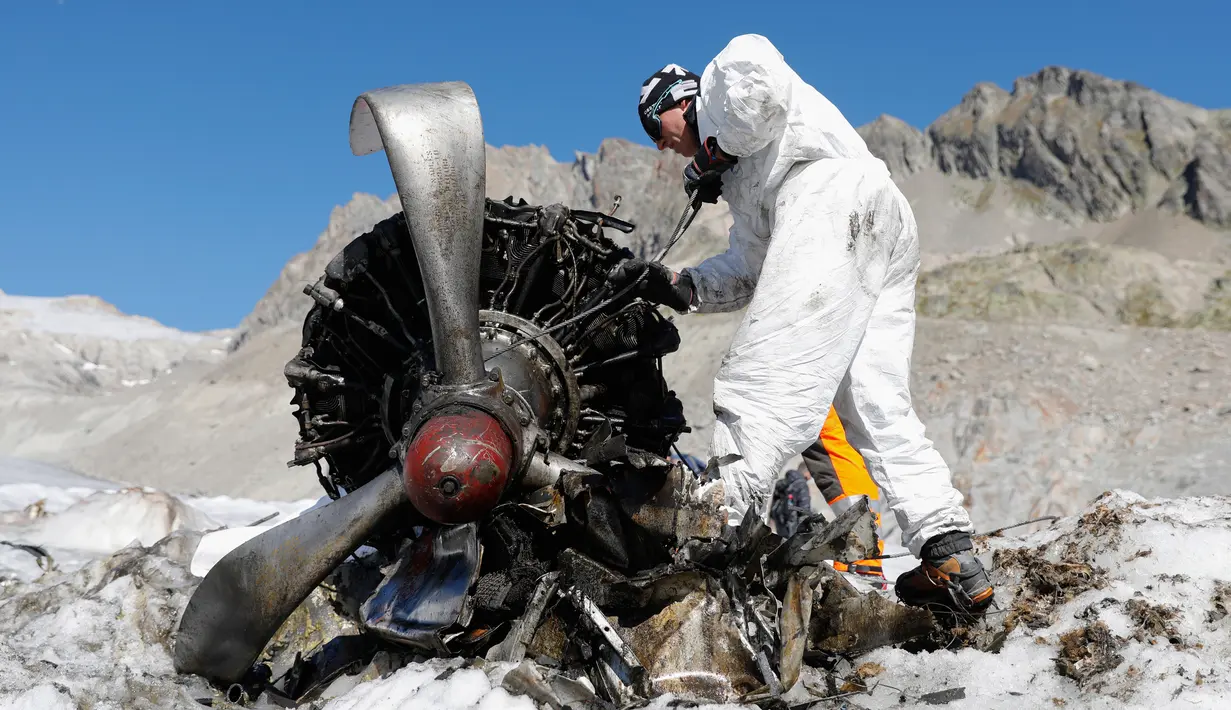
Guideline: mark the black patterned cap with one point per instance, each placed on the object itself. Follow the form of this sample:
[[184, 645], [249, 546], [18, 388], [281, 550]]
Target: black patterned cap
[[666, 88]]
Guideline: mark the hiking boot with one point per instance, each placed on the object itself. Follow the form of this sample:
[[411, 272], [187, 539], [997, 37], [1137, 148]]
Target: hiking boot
[[950, 576]]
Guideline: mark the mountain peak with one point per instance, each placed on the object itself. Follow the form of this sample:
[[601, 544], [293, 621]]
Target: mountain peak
[[1098, 148]]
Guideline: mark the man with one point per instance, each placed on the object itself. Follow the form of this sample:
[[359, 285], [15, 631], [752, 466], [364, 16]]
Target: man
[[824, 253], [792, 501]]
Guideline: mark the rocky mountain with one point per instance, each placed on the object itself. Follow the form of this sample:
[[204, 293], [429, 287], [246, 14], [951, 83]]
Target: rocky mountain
[[1080, 144], [1057, 220], [1065, 149], [84, 345]]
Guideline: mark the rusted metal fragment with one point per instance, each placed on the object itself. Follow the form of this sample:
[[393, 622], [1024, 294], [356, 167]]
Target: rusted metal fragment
[[606, 587], [526, 680], [793, 627], [754, 615], [549, 640], [513, 648], [693, 649], [552, 690], [547, 505], [849, 538], [682, 509], [753, 538], [623, 659], [944, 697], [845, 621], [661, 588]]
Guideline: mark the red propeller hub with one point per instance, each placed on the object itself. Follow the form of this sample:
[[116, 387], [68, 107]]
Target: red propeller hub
[[457, 466]]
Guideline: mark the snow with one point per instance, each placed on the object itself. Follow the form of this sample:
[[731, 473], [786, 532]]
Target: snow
[[77, 518], [1160, 539], [83, 315], [97, 631], [419, 687]]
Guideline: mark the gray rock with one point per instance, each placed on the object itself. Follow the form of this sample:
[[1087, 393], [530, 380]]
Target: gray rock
[[965, 136], [904, 148], [1203, 190], [1102, 147]]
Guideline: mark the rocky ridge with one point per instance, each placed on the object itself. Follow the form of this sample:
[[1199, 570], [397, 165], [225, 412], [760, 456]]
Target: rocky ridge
[[1064, 148], [1079, 144], [224, 426], [84, 345]]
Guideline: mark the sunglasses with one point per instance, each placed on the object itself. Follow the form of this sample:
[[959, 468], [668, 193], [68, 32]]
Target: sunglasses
[[651, 122]]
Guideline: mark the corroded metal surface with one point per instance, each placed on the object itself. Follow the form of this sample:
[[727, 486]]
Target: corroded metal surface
[[846, 621], [432, 135], [793, 627], [682, 509], [255, 587], [692, 648]]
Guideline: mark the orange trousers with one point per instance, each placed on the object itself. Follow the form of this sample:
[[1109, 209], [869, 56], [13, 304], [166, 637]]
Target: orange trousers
[[841, 475]]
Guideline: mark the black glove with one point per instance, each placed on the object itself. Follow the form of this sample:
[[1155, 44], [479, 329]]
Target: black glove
[[704, 174], [661, 285]]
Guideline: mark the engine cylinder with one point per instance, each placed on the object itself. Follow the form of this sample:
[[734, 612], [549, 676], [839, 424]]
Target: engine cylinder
[[457, 466]]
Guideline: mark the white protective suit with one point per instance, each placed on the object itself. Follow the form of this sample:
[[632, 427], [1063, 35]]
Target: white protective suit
[[824, 252]]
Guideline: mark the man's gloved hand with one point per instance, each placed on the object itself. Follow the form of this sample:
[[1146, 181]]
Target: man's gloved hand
[[704, 174], [661, 285]]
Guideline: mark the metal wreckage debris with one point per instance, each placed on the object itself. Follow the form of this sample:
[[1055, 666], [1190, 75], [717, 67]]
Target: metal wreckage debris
[[491, 421]]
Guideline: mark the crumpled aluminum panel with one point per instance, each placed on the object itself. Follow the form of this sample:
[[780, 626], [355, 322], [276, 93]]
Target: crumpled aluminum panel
[[426, 593]]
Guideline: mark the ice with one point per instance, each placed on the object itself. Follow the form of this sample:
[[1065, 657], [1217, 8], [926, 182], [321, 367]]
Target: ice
[[1157, 540], [18, 471], [40, 697], [429, 686], [97, 632]]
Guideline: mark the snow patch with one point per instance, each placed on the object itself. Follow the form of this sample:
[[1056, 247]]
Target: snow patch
[[428, 686], [1148, 628], [78, 315]]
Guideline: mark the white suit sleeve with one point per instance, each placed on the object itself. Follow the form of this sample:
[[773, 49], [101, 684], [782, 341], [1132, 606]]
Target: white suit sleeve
[[748, 95], [725, 282]]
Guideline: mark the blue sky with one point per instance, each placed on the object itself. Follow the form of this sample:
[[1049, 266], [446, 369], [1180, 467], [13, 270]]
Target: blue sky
[[170, 157]]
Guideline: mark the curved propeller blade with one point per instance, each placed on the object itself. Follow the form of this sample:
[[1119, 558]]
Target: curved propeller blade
[[432, 135], [255, 587]]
